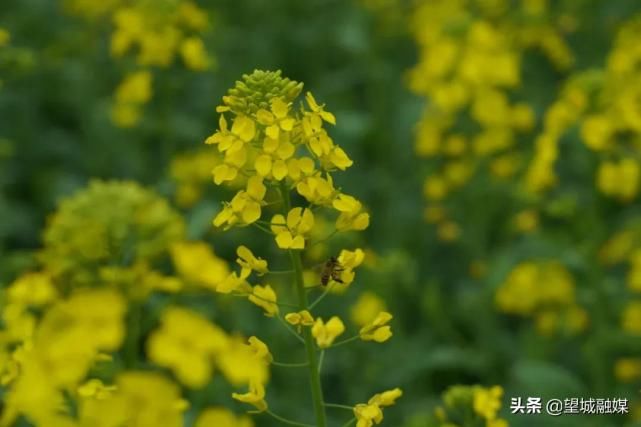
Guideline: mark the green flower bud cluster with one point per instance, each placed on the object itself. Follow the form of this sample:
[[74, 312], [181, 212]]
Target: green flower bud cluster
[[256, 90], [108, 223]]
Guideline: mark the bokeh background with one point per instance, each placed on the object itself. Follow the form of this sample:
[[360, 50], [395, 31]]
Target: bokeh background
[[496, 146]]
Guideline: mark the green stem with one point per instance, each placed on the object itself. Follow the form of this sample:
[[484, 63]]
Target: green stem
[[345, 341], [286, 421], [261, 228], [314, 375], [324, 239], [280, 304], [293, 332], [289, 365], [310, 348], [320, 298], [350, 422], [336, 405], [279, 272]]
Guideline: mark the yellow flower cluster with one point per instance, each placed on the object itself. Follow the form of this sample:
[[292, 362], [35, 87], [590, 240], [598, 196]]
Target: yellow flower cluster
[[55, 354], [614, 121], [156, 32], [196, 264], [470, 60], [473, 405], [191, 346], [545, 290], [268, 141], [560, 116], [623, 247], [285, 159], [138, 398], [601, 103], [63, 328], [108, 232], [134, 91]]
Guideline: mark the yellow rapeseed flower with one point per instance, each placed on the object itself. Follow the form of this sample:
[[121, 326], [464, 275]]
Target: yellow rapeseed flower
[[326, 333], [378, 329], [265, 297], [371, 413], [299, 319], [255, 396], [290, 233], [260, 349], [248, 261]]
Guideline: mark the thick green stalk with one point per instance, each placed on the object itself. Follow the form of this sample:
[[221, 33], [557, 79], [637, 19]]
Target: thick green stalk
[[312, 360], [310, 348]]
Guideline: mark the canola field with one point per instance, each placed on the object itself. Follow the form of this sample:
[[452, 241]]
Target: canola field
[[320, 213]]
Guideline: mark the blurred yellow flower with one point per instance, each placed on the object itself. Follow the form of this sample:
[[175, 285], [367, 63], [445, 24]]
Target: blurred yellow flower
[[34, 289], [140, 408], [487, 402], [187, 344], [366, 308], [631, 318], [197, 263], [194, 54], [242, 363], [260, 349], [527, 220], [5, 37], [620, 179], [628, 369], [96, 389], [222, 417]]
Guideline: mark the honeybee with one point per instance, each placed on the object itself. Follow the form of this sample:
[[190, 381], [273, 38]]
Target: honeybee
[[332, 270]]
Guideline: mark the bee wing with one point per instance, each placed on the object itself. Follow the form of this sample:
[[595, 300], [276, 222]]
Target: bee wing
[[318, 268]]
